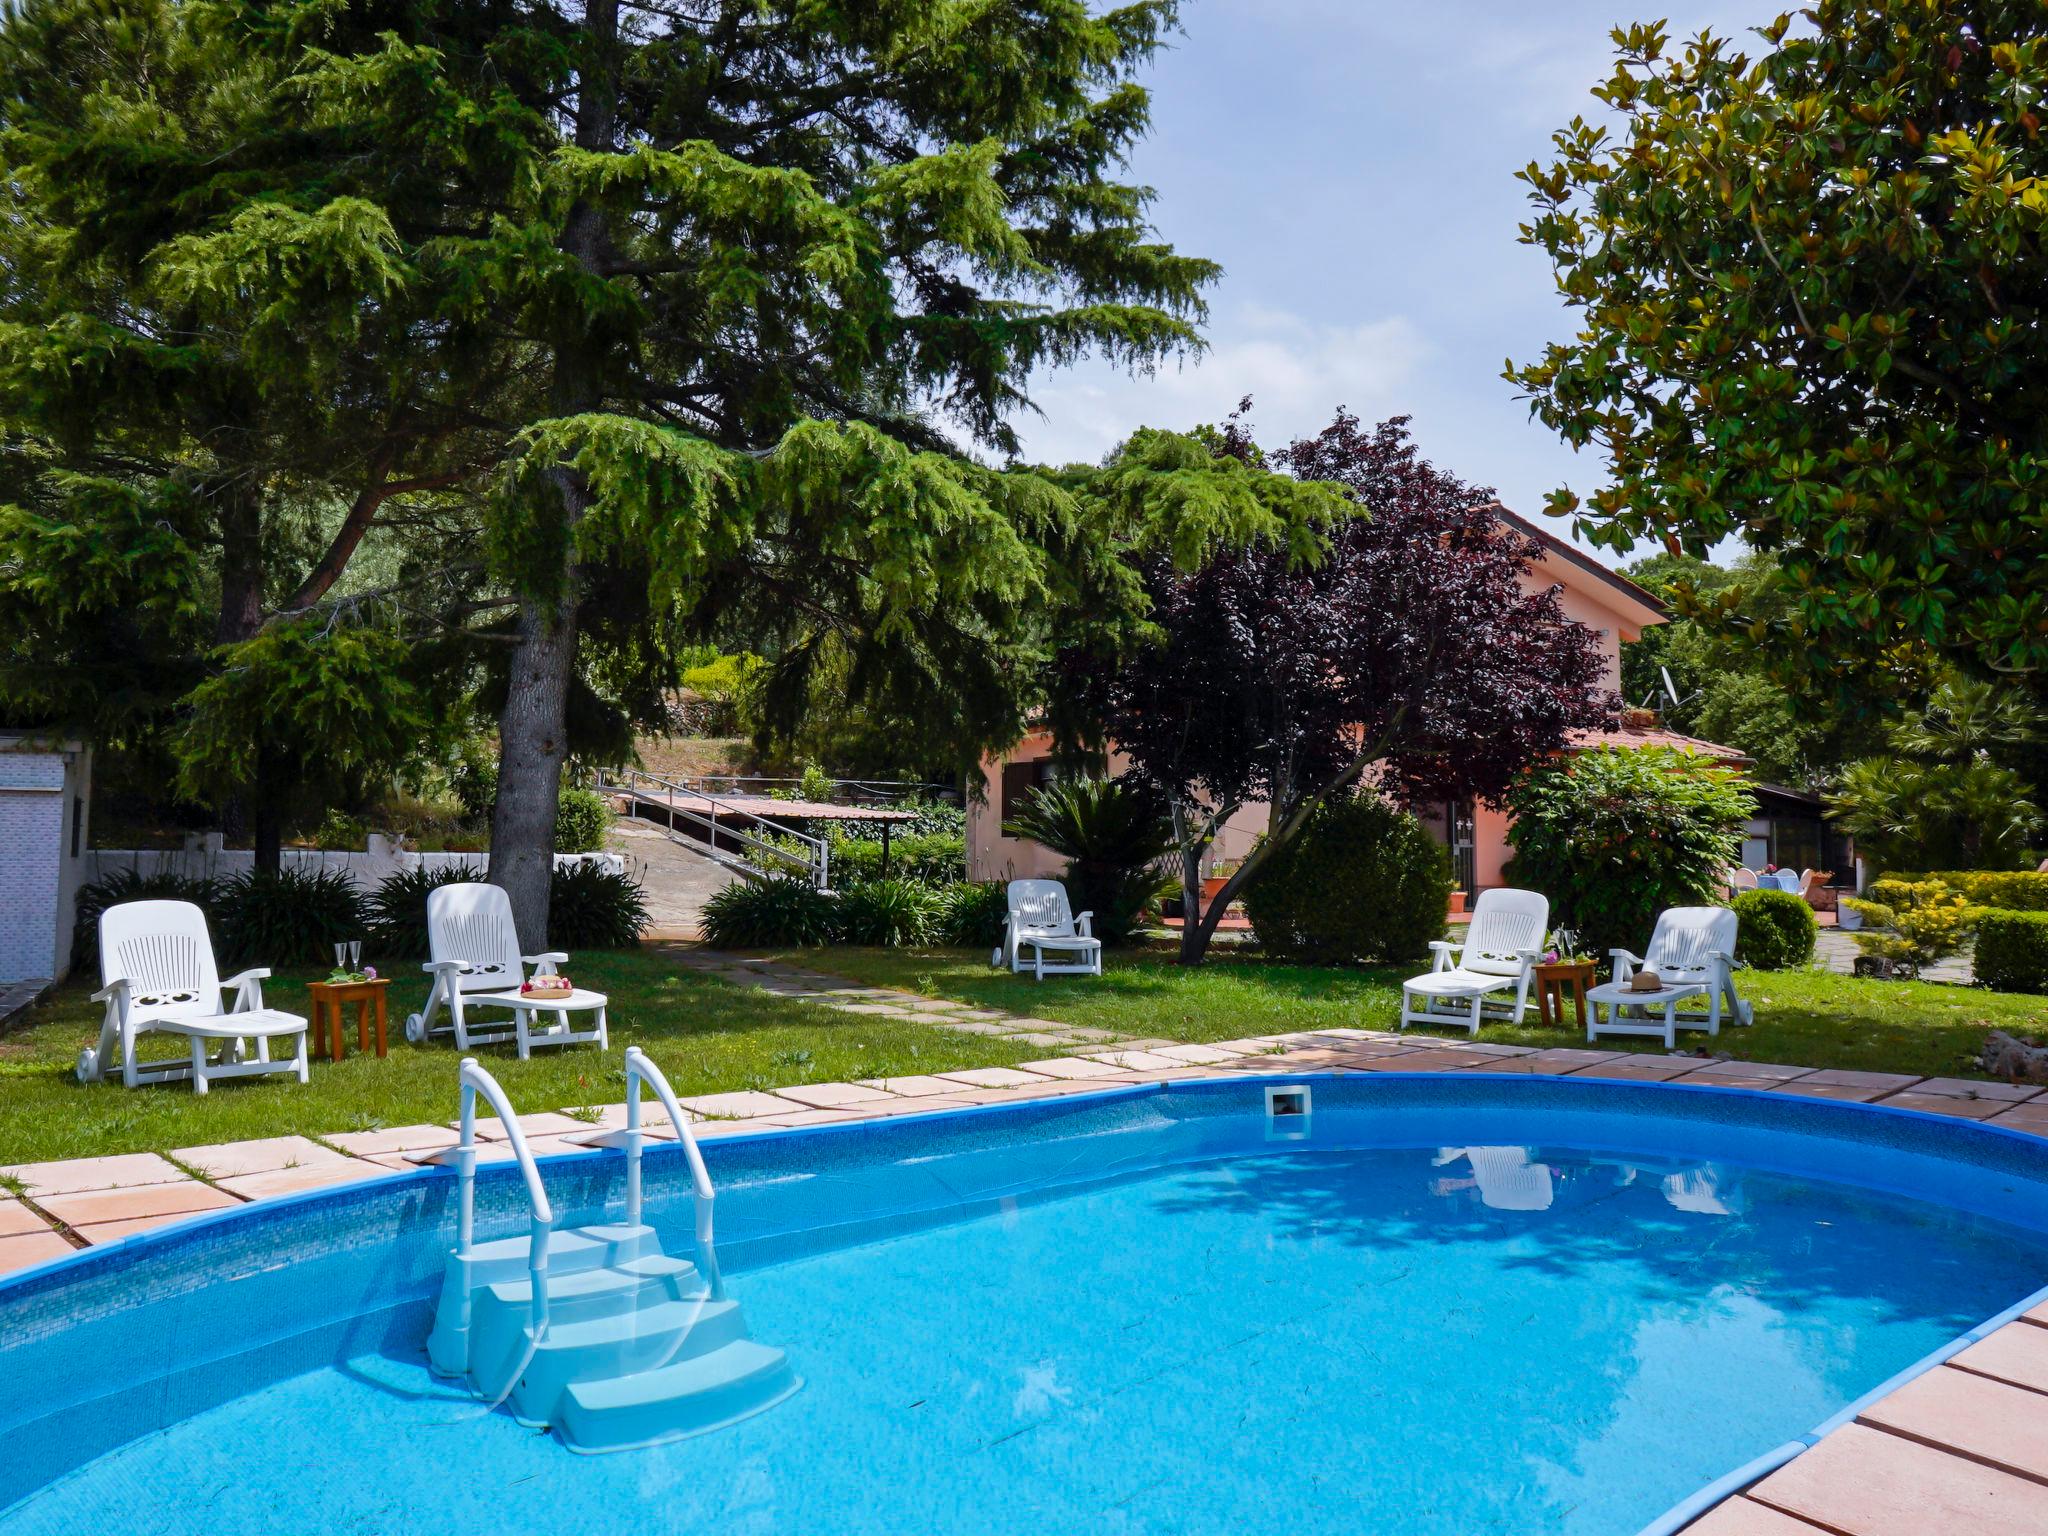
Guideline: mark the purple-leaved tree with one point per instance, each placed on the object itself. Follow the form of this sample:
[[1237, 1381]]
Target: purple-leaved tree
[[1412, 656]]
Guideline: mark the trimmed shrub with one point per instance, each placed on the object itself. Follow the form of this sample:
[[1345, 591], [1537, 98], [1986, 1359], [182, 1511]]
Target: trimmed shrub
[[1616, 835], [888, 914], [582, 818], [1777, 930], [592, 907], [1913, 923], [398, 908], [769, 914], [297, 914], [1364, 881], [2012, 951], [2010, 890], [125, 885], [973, 914]]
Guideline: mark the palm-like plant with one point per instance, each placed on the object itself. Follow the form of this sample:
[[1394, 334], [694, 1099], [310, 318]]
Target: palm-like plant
[[1113, 833]]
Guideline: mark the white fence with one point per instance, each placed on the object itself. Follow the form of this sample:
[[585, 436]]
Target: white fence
[[367, 869]]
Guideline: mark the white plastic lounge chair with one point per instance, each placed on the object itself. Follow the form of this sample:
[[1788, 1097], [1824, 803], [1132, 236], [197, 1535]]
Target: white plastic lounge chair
[[1742, 880], [1501, 945], [1041, 923], [157, 973], [1692, 952], [476, 963]]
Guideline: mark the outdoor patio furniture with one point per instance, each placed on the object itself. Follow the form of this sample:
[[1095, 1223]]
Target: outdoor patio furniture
[[1692, 952], [476, 963], [1042, 922], [329, 998], [1560, 979], [1742, 880], [1818, 894], [1502, 943], [157, 974]]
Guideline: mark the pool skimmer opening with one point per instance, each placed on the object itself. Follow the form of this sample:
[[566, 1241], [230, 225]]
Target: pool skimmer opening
[[1287, 1112]]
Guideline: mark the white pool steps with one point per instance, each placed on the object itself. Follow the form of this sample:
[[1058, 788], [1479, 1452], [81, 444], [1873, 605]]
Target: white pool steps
[[594, 1332]]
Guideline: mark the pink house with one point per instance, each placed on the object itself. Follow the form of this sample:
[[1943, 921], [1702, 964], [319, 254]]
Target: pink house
[[1612, 606]]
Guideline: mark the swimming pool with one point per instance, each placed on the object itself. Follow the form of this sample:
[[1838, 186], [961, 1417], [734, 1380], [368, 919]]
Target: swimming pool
[[1434, 1306]]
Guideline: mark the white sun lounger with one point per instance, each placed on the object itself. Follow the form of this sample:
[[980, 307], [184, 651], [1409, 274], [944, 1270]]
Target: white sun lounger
[[1501, 945], [157, 975], [1693, 953], [476, 963], [1042, 923]]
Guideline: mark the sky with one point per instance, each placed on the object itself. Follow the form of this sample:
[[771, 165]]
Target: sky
[[1350, 163]]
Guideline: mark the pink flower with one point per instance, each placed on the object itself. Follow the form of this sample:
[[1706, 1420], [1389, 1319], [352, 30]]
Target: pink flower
[[369, 973]]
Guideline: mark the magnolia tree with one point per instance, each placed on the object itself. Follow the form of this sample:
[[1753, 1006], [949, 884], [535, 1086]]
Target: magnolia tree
[[1405, 651], [1806, 272]]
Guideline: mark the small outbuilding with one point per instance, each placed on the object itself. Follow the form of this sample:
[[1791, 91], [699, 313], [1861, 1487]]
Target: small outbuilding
[[45, 794]]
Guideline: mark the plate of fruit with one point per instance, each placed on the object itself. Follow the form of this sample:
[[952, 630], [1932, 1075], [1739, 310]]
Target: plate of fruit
[[546, 988]]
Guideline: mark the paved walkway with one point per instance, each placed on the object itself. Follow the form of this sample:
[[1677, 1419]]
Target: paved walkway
[[1963, 1448], [1837, 951], [674, 882]]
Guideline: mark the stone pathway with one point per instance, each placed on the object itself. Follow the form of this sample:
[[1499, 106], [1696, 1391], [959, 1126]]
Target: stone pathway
[[1837, 952], [1960, 1448]]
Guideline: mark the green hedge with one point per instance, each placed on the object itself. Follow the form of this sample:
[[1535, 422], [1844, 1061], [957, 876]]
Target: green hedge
[[1776, 930], [2012, 951], [2014, 890]]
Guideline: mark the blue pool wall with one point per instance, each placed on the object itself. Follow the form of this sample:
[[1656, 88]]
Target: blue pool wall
[[104, 1347]]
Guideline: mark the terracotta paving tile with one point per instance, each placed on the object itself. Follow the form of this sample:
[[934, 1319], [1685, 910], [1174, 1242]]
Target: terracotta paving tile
[[992, 1077], [2024, 1117], [101, 1233], [1963, 1088], [1888, 1082], [1488, 1048], [1435, 1061], [237, 1159], [61, 1178], [292, 1181], [1944, 1104], [832, 1095], [1863, 1482], [31, 1248], [1756, 1084], [612, 1117], [923, 1104], [393, 1138], [1847, 1093], [544, 1123], [1198, 1055], [1075, 1067], [17, 1220], [1753, 1069], [1639, 1069], [2017, 1353], [101, 1205], [1988, 1421], [803, 1117], [1250, 1046], [912, 1087], [1744, 1517], [741, 1105], [1133, 1060]]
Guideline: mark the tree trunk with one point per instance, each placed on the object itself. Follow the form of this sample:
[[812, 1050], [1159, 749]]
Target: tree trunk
[[1192, 940], [259, 805], [533, 727]]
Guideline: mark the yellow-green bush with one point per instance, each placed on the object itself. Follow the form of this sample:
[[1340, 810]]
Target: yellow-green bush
[[2012, 890], [1913, 923]]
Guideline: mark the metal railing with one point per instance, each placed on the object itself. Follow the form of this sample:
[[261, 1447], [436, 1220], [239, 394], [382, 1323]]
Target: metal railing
[[765, 858]]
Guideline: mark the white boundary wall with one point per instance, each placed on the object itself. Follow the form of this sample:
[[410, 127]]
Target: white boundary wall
[[376, 863]]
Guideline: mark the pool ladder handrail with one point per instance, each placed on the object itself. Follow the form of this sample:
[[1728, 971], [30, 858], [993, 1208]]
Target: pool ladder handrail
[[640, 1068], [462, 1156]]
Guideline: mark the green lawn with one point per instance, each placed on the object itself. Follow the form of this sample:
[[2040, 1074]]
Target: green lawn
[[706, 1035], [1804, 1018]]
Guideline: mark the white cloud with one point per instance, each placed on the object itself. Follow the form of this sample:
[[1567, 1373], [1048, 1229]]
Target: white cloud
[[1296, 372]]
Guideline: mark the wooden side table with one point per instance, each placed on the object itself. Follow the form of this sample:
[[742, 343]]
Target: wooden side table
[[1555, 982], [330, 997]]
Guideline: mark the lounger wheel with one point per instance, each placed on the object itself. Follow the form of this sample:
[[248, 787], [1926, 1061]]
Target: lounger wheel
[[995, 959], [415, 1028], [88, 1065]]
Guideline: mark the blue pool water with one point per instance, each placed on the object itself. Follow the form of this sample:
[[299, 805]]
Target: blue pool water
[[1496, 1310]]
